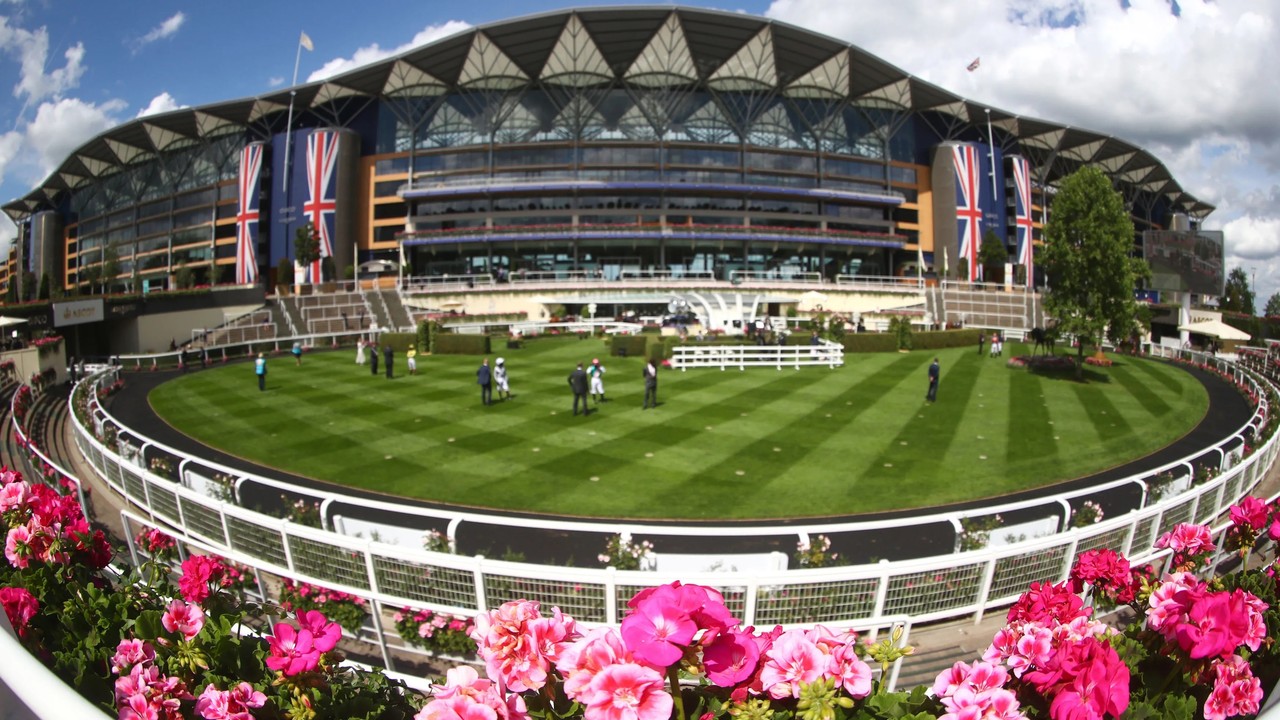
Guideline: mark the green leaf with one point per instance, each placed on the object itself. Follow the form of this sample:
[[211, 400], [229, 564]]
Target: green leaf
[[149, 626]]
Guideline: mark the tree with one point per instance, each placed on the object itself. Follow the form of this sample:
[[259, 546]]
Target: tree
[[306, 246], [44, 287], [992, 255], [184, 277], [1086, 256], [1237, 296], [110, 267], [1273, 306]]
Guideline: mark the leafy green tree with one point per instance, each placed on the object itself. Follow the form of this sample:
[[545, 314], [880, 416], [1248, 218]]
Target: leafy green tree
[[44, 287], [1086, 256], [110, 266], [306, 245], [1237, 296], [1273, 305], [992, 255], [184, 277]]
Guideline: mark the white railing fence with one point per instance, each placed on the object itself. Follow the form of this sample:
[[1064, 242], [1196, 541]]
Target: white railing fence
[[946, 586], [830, 354]]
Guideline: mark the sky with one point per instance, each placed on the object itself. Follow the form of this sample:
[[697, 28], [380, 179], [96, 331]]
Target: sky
[[1192, 81]]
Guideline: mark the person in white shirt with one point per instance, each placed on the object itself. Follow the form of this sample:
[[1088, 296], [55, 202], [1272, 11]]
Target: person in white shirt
[[596, 373], [500, 379]]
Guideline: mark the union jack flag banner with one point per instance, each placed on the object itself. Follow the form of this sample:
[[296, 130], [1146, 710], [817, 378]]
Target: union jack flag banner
[[1022, 213], [322, 192], [968, 210], [247, 214]]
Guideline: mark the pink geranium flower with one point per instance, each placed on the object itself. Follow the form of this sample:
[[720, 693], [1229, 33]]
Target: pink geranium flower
[[233, 704], [198, 572], [129, 653], [20, 605], [1235, 690], [12, 496], [627, 691], [184, 618], [517, 649], [1250, 512], [17, 547], [658, 629], [324, 634], [292, 651], [731, 658], [792, 661], [1218, 623], [596, 650], [467, 696]]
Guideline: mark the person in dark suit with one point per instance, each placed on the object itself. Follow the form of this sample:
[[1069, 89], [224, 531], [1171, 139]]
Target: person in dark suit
[[578, 383], [933, 382], [484, 378], [389, 356], [373, 360], [650, 385], [982, 340]]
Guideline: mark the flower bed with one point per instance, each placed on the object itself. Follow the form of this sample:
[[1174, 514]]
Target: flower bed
[[144, 647], [1042, 363], [438, 633]]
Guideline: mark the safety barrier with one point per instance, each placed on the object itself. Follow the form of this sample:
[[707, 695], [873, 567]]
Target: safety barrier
[[830, 354]]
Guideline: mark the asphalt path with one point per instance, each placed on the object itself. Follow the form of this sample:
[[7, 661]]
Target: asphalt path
[[1228, 411]]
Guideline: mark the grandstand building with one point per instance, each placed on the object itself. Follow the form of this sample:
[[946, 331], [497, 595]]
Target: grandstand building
[[652, 141]]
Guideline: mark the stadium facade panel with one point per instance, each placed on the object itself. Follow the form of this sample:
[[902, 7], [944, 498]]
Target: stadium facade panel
[[602, 140]]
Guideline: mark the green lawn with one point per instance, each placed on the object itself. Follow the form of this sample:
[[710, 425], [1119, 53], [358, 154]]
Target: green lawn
[[754, 444]]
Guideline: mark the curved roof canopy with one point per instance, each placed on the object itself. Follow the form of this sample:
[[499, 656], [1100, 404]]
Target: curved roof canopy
[[650, 46]]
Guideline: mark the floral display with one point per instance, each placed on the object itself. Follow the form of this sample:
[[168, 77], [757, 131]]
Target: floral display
[[439, 633], [1087, 514], [344, 608], [624, 553], [816, 553]]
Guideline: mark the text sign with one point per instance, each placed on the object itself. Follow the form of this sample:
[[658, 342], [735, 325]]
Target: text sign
[[77, 312]]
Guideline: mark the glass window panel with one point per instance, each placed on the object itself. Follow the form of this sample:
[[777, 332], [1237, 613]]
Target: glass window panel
[[391, 166], [153, 226], [900, 174], [192, 217], [202, 197], [153, 209], [703, 157]]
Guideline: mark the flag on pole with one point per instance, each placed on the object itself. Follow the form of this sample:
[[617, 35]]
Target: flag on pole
[[972, 66], [305, 41]]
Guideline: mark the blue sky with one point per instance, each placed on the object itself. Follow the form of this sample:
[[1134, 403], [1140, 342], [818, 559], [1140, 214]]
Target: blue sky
[[1197, 87]]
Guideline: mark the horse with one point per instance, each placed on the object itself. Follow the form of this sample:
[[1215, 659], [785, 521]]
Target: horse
[[1044, 339]]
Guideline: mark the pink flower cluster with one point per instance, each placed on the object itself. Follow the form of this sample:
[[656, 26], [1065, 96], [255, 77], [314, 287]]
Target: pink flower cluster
[[203, 575], [186, 619], [233, 704], [1235, 690], [1249, 520], [47, 528], [20, 605], [428, 623], [1190, 544], [298, 650], [977, 691], [319, 595], [1107, 572], [154, 541], [1051, 645], [142, 692], [467, 696], [1202, 623], [621, 673]]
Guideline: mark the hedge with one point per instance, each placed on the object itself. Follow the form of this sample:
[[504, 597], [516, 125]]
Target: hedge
[[947, 338], [629, 345], [457, 344], [399, 342]]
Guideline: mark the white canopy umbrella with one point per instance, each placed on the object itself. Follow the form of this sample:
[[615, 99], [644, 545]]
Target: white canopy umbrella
[[6, 321], [1215, 328]]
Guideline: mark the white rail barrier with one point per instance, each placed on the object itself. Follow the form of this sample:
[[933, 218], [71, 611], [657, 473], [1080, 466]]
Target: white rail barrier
[[826, 353], [926, 589]]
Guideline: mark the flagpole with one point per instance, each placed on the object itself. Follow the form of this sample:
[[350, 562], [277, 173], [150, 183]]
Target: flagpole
[[991, 142], [288, 130]]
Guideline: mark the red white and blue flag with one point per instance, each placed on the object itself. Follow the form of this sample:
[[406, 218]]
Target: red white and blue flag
[[1023, 224], [968, 209], [247, 214], [322, 192]]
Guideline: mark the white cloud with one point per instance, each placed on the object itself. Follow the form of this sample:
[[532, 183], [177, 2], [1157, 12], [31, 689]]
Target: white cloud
[[62, 126], [1198, 90], [31, 49], [161, 103], [166, 29], [10, 145], [374, 53], [275, 81]]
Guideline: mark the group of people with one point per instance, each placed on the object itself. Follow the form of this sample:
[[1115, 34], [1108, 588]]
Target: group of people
[[997, 343], [388, 355], [487, 377], [589, 383]]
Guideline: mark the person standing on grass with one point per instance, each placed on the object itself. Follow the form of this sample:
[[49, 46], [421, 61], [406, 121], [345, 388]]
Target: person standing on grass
[[411, 357], [578, 383], [932, 395], [297, 352], [650, 385], [484, 378], [360, 351], [373, 358], [260, 369], [982, 339], [596, 373], [500, 378], [389, 356]]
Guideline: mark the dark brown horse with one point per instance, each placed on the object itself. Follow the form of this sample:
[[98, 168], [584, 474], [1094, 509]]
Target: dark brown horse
[[1044, 338]]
